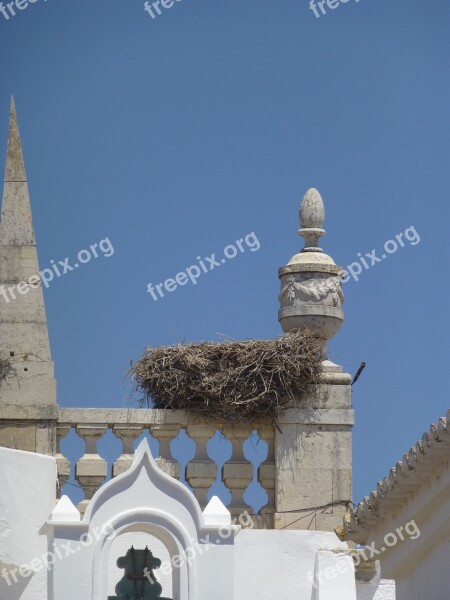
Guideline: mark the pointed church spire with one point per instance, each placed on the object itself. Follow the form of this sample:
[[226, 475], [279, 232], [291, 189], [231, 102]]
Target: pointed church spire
[[16, 225], [23, 323], [15, 168]]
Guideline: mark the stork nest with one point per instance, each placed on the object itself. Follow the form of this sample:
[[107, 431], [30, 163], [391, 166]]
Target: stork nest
[[231, 381]]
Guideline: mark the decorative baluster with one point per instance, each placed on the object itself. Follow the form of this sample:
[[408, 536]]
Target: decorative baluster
[[237, 473], [62, 462], [201, 472], [266, 471], [91, 469], [165, 434], [127, 434]]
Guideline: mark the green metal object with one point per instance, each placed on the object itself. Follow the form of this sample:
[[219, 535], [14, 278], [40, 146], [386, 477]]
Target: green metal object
[[139, 581]]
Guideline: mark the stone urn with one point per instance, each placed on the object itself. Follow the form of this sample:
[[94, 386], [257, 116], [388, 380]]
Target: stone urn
[[311, 295]]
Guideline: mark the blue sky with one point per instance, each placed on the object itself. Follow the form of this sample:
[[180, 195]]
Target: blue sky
[[176, 136]]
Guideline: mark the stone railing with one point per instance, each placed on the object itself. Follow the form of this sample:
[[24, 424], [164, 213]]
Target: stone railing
[[306, 474], [201, 472]]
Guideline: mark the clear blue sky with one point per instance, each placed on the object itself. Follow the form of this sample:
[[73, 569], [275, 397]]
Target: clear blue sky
[[179, 135]]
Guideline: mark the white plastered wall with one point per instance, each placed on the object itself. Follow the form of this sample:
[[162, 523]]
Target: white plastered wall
[[27, 497], [145, 505]]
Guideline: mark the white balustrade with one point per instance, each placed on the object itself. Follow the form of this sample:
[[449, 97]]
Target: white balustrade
[[91, 469], [62, 462], [127, 434], [201, 472], [237, 473], [165, 433]]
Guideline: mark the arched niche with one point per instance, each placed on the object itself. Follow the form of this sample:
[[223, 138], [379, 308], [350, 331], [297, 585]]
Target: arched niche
[[156, 528], [140, 540], [142, 501]]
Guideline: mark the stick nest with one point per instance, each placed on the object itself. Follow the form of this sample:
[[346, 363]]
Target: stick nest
[[231, 381]]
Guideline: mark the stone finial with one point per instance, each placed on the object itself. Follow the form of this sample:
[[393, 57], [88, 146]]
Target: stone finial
[[312, 217], [311, 295]]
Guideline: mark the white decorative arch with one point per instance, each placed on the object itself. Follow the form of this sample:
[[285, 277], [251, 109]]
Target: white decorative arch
[[157, 479], [170, 532], [143, 499]]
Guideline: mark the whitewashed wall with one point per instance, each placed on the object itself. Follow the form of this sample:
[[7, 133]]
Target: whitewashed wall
[[420, 562], [27, 497], [144, 506], [430, 577]]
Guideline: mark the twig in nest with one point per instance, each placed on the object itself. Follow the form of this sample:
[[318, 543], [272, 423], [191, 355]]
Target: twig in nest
[[231, 381]]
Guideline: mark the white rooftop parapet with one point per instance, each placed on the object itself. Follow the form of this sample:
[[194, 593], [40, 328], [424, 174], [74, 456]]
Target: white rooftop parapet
[[143, 505], [65, 512], [334, 576], [27, 497]]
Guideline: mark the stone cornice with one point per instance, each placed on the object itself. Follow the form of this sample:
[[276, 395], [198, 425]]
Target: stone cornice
[[21, 413]]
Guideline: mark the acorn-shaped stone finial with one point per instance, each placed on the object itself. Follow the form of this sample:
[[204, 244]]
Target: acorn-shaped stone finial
[[312, 217], [311, 295]]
